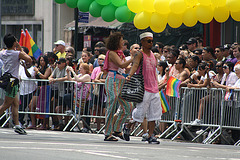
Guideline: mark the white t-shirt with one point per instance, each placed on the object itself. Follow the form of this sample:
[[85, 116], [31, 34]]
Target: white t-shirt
[[237, 84], [27, 87], [212, 74], [10, 59]]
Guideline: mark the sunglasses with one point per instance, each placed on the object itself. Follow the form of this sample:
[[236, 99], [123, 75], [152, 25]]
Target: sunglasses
[[225, 67], [217, 51], [96, 50], [149, 41], [101, 59], [136, 48], [177, 63], [67, 51], [218, 66]]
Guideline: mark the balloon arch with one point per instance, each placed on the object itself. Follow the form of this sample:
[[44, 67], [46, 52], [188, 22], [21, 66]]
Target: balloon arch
[[156, 14]]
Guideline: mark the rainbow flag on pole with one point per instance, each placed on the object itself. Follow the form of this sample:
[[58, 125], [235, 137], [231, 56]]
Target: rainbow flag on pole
[[173, 85], [27, 41], [164, 102]]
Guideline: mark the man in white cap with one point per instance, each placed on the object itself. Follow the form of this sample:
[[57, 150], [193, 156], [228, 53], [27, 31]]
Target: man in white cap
[[60, 49], [151, 105]]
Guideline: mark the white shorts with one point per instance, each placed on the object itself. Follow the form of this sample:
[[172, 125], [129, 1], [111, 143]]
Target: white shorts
[[150, 108]]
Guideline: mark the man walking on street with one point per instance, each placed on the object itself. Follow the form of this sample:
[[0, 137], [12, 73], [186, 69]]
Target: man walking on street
[[11, 60], [150, 107]]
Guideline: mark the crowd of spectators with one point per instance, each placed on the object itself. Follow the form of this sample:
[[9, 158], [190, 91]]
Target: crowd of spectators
[[192, 63]]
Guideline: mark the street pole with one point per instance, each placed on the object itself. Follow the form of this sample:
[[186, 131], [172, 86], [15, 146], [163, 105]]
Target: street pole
[[76, 31]]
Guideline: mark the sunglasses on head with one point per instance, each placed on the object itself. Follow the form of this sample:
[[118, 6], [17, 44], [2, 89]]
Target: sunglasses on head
[[225, 67]]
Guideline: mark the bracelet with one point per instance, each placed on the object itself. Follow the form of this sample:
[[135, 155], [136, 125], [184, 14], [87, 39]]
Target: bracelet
[[38, 73]]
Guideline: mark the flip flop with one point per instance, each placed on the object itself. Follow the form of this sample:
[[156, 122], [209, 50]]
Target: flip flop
[[118, 134], [110, 138]]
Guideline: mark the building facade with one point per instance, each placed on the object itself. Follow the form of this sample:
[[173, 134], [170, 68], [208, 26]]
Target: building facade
[[44, 19]]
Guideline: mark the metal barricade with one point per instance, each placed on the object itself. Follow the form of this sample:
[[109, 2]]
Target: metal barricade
[[38, 97], [90, 105], [205, 104], [231, 115], [171, 117]]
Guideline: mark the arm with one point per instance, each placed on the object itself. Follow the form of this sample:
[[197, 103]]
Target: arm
[[23, 55], [113, 57], [84, 78], [45, 75], [25, 69], [136, 61], [97, 79]]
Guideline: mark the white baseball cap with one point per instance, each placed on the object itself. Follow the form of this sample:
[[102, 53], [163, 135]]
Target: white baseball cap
[[60, 42], [146, 34]]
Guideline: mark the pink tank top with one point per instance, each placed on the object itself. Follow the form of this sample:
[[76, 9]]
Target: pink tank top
[[149, 73]]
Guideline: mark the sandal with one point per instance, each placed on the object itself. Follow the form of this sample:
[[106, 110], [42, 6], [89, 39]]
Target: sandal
[[118, 134], [110, 138]]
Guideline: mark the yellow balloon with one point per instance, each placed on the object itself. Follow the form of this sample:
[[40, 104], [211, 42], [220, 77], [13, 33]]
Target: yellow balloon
[[142, 20], [161, 6], [189, 17], [191, 3], [135, 5], [148, 5], [177, 6], [205, 2], [158, 20], [233, 5], [204, 13], [219, 3], [235, 16], [157, 30], [174, 20], [221, 14]]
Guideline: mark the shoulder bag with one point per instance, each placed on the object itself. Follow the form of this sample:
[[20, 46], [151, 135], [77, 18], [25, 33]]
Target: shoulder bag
[[133, 91]]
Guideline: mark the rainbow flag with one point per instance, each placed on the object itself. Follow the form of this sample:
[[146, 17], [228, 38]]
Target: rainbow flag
[[27, 41], [173, 85], [164, 102], [22, 40]]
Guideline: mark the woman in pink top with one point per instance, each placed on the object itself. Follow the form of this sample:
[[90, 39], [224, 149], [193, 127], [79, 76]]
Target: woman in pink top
[[115, 64]]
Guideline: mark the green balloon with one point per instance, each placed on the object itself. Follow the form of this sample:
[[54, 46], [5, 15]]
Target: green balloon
[[131, 17], [122, 14], [95, 9], [71, 3], [108, 13], [83, 5], [103, 2], [119, 3], [60, 1]]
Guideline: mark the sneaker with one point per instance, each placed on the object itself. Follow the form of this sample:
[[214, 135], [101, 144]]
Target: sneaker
[[196, 122], [20, 130], [126, 132], [200, 131], [145, 137], [85, 130], [153, 140]]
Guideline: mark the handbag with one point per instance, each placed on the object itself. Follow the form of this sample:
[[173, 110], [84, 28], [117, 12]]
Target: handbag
[[133, 91], [5, 80]]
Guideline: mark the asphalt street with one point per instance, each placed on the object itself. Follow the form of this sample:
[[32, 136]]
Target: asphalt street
[[51, 145]]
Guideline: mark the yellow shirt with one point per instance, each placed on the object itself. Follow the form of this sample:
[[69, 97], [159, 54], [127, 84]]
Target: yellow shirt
[[61, 55]]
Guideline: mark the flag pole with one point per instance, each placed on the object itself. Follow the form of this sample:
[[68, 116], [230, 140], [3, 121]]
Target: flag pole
[[0, 23], [76, 32]]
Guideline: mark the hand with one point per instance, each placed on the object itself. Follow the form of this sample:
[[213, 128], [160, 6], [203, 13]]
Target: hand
[[227, 89], [128, 78], [36, 69], [189, 85]]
